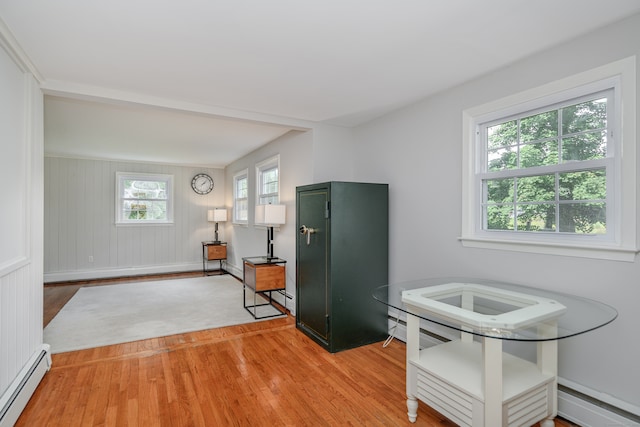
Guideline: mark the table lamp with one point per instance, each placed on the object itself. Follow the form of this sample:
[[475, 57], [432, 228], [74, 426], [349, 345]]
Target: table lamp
[[216, 215], [270, 215]]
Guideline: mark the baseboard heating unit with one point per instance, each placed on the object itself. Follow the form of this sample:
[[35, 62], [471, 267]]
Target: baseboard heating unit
[[15, 398]]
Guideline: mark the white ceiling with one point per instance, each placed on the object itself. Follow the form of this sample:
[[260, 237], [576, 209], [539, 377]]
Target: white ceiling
[[178, 75]]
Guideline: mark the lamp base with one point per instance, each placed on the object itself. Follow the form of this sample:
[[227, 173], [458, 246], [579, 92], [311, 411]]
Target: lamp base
[[270, 243]]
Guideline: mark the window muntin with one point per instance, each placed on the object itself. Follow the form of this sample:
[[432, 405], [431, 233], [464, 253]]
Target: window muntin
[[241, 197], [144, 198], [546, 170], [268, 181]]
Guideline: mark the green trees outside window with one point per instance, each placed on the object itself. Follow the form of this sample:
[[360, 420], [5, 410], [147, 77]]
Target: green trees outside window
[[549, 174]]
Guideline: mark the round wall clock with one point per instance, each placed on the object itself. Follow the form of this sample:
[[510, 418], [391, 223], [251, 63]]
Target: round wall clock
[[202, 183]]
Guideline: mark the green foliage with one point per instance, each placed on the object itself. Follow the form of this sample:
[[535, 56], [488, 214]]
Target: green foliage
[[529, 203]]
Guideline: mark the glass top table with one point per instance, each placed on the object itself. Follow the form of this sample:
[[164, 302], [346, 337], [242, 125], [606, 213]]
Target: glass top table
[[496, 309]]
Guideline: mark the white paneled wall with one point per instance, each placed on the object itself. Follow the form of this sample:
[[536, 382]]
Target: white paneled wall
[[21, 168], [81, 237]]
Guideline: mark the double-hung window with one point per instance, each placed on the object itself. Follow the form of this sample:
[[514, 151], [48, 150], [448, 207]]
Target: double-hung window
[[144, 198], [267, 173], [544, 170], [240, 197]]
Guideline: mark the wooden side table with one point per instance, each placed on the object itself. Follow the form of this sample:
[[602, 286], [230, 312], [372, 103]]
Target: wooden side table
[[213, 251], [263, 276]]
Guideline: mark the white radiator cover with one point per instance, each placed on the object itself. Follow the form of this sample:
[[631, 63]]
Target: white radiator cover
[[15, 398]]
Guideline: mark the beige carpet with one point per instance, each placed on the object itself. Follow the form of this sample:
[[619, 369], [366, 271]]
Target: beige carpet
[[114, 314]]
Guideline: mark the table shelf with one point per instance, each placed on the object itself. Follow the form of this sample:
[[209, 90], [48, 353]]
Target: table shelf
[[449, 378]]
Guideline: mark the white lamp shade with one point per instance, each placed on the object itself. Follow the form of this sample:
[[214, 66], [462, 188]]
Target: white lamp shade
[[217, 215], [270, 214]]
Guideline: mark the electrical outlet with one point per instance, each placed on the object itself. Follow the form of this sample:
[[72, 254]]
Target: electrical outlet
[[90, 258]]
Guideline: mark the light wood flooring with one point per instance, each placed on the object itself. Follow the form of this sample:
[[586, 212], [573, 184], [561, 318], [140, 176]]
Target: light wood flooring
[[259, 374]]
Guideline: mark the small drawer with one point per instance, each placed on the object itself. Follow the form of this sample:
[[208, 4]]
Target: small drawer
[[216, 252], [264, 277]]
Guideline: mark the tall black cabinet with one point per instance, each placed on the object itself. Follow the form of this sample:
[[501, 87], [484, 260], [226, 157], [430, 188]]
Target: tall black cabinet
[[341, 257]]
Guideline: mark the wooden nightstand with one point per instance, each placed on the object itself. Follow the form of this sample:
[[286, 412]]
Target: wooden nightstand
[[263, 276], [213, 251]]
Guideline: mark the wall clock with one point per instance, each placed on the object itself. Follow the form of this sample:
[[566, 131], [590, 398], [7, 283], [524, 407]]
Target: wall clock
[[202, 183]]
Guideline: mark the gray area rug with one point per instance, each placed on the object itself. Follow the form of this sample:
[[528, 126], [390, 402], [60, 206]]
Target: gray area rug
[[114, 314]]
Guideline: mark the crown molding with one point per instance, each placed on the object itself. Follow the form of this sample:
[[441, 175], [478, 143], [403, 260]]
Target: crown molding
[[16, 53]]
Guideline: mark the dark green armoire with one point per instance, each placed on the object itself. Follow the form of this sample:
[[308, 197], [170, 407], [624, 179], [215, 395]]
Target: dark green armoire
[[342, 255]]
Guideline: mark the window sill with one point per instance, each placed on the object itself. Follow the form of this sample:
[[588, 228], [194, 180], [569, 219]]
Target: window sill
[[145, 223], [609, 253]]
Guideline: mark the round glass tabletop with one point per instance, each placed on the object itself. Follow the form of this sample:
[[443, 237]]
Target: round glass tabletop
[[496, 309]]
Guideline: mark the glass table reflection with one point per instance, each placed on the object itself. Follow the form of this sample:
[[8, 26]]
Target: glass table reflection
[[471, 380]]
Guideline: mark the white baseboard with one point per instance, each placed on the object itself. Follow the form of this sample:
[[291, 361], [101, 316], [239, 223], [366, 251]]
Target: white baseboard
[[588, 414], [65, 276], [16, 397]]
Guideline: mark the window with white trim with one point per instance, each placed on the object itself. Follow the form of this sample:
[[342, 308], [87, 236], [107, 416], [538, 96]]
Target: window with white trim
[[544, 169], [241, 197], [268, 184], [144, 198]]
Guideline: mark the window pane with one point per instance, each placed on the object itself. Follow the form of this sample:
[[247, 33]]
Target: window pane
[[539, 154], [269, 181], [585, 116], [586, 146], [502, 135], [584, 185], [502, 158], [242, 210], [241, 188], [583, 218], [499, 190], [540, 126], [536, 217], [536, 188], [137, 189], [499, 217], [157, 210], [147, 210]]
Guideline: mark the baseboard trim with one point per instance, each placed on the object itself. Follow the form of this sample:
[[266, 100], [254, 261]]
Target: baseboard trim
[[69, 276], [16, 397], [588, 412]]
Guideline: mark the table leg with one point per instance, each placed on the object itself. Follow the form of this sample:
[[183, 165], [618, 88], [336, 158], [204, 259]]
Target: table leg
[[492, 381], [413, 353], [204, 257], [547, 358]]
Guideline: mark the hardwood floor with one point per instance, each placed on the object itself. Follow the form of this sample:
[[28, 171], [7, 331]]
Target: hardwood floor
[[259, 374]]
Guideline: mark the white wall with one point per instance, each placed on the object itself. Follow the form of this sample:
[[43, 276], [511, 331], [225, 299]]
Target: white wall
[[333, 154], [21, 147], [417, 150], [296, 168], [80, 222]]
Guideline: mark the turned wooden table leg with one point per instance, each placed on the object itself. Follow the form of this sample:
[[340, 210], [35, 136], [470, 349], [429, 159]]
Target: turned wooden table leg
[[413, 353]]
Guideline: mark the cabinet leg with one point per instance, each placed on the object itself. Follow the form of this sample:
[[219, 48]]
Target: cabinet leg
[[412, 406], [547, 423]]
